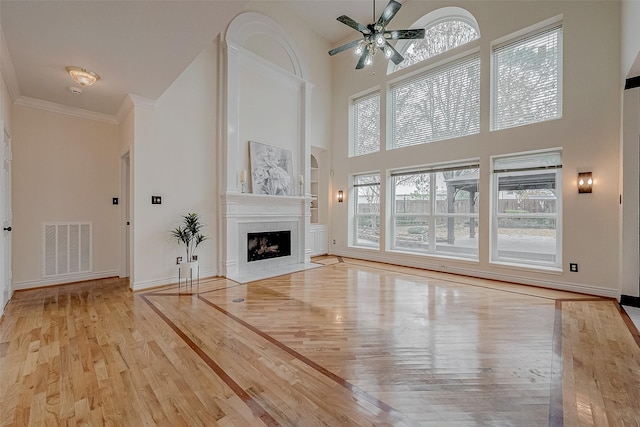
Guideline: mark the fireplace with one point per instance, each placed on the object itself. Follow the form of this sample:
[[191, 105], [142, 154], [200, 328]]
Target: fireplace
[[269, 244], [248, 215]]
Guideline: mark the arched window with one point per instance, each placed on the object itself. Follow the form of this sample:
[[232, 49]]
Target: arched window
[[446, 29]]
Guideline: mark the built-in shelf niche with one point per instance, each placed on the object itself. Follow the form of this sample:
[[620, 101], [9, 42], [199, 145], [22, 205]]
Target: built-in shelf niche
[[313, 188]]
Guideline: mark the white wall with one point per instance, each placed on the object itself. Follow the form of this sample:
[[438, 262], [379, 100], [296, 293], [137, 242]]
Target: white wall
[[630, 16], [65, 168], [313, 50], [174, 156], [589, 134]]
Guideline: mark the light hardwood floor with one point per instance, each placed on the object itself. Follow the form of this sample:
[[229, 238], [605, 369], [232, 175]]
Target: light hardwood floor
[[349, 343]]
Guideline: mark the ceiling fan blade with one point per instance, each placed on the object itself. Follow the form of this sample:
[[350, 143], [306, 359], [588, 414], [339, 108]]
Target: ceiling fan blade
[[344, 47], [395, 55], [353, 24], [404, 34], [362, 60], [388, 13]]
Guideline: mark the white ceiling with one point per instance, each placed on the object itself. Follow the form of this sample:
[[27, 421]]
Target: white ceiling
[[137, 47]]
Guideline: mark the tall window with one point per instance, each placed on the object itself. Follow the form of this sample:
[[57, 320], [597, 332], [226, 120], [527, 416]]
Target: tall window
[[435, 211], [366, 192], [527, 79], [526, 212], [366, 124], [438, 104], [440, 36]]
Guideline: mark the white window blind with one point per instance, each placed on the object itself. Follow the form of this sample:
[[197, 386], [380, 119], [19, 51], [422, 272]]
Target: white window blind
[[366, 124], [527, 79], [442, 103], [527, 162]]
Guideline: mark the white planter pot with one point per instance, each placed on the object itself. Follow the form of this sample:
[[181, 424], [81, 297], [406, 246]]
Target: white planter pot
[[189, 269]]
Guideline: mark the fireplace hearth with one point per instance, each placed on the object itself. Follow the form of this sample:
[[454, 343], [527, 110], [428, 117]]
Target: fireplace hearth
[[268, 244]]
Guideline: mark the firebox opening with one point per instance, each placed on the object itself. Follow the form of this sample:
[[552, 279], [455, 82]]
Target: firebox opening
[[269, 244]]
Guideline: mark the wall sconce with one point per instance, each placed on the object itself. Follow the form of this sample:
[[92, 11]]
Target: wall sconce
[[585, 182], [340, 196]]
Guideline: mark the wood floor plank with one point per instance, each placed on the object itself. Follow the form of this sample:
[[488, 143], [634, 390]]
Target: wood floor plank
[[350, 343]]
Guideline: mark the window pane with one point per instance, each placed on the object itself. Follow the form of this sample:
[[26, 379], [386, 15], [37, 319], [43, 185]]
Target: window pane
[[366, 124], [529, 240], [439, 38], [436, 105], [527, 77], [412, 193], [367, 207], [527, 194], [368, 230], [412, 233], [457, 236], [453, 192], [457, 191]]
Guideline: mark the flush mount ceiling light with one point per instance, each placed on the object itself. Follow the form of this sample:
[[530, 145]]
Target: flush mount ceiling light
[[376, 37], [82, 76]]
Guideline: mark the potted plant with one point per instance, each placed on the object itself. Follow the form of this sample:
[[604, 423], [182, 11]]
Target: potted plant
[[189, 234]]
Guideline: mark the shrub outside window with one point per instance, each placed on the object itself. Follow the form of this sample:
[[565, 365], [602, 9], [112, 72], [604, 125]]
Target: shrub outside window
[[366, 124], [435, 211], [526, 223], [366, 191]]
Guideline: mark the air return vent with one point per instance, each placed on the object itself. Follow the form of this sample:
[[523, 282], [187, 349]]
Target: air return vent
[[67, 248]]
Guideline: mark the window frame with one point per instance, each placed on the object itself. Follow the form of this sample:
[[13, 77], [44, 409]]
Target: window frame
[[353, 117], [438, 16], [430, 72], [355, 241], [432, 216], [518, 37], [494, 257]]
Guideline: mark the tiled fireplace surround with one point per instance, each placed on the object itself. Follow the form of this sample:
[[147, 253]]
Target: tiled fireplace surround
[[251, 213]]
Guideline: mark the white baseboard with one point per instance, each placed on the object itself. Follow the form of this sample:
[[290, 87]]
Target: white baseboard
[[512, 276], [61, 280], [166, 281]]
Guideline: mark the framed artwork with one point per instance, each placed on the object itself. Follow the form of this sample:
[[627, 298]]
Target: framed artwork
[[271, 169]]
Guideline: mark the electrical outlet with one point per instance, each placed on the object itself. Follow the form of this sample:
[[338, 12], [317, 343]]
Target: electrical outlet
[[178, 260], [334, 241], [573, 267]]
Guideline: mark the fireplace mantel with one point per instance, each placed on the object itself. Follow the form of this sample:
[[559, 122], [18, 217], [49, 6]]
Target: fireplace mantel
[[264, 205]]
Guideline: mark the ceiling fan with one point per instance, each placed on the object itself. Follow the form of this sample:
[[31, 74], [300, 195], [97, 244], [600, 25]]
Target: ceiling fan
[[376, 36]]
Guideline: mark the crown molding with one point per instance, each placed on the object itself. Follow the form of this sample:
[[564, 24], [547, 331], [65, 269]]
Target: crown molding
[[63, 109], [8, 70], [131, 101], [142, 102]]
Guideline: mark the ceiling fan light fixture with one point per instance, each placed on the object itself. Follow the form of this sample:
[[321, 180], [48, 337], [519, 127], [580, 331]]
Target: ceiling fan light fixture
[[376, 37], [82, 76]]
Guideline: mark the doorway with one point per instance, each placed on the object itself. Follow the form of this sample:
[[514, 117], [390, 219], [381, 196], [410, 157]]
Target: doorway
[[125, 215], [5, 218]]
